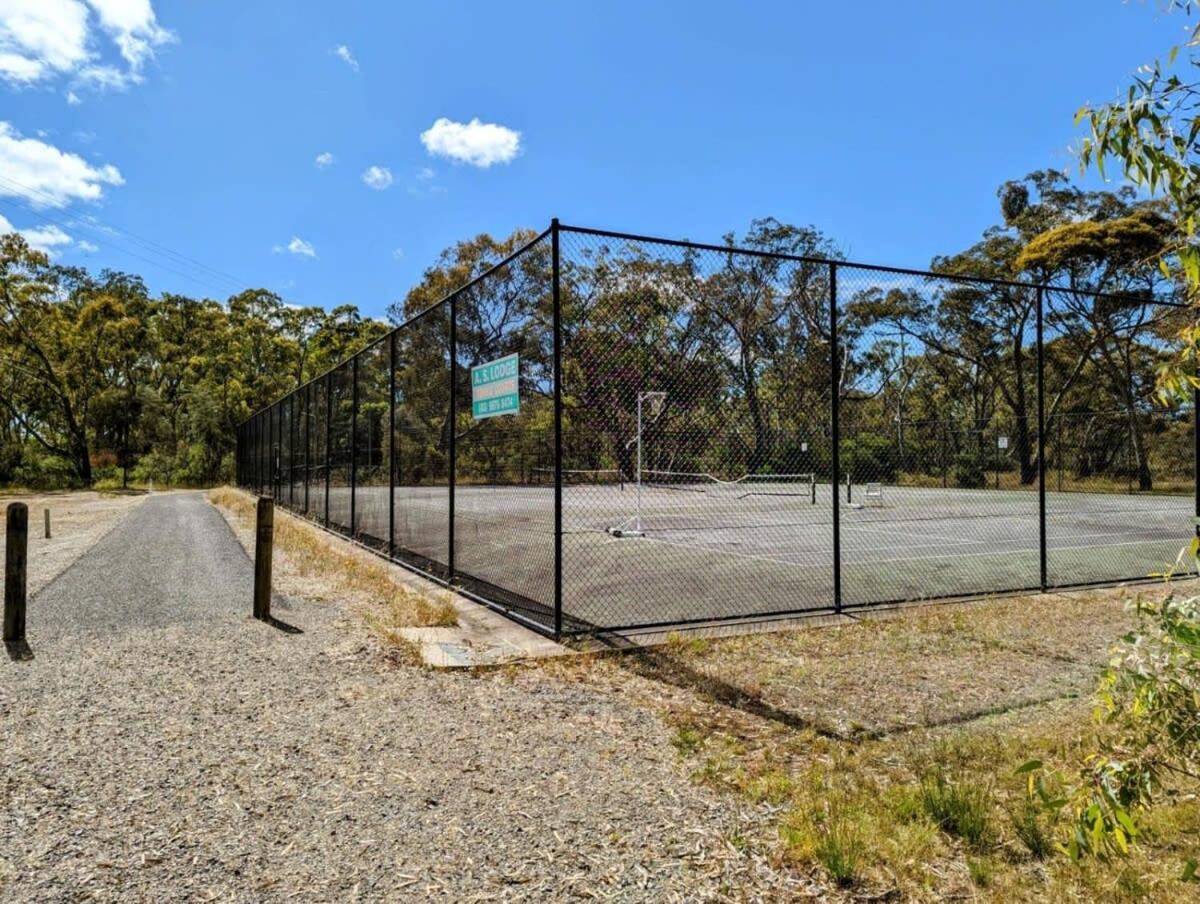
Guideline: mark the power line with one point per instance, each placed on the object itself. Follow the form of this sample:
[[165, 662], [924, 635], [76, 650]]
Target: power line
[[12, 204], [106, 231]]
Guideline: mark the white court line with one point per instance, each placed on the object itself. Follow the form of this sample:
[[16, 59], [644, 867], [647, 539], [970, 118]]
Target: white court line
[[918, 558], [892, 531]]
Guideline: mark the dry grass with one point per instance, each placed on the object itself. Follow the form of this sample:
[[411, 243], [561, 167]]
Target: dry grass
[[886, 751], [78, 521], [317, 565]]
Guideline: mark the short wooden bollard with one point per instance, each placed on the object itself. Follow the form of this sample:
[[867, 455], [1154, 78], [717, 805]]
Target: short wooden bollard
[[16, 545], [263, 548], [47, 512]]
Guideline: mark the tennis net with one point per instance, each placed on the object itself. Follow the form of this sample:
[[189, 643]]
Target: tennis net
[[798, 484]]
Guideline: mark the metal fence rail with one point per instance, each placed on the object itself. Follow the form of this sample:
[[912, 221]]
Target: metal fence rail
[[605, 432]]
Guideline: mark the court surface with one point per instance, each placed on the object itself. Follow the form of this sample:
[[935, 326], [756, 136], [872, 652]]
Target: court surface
[[720, 555]]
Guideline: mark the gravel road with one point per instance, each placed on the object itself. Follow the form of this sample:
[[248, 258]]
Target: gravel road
[[174, 562], [161, 745]]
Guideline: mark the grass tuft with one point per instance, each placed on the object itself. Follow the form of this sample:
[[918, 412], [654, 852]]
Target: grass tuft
[[961, 808], [1029, 825], [840, 849]]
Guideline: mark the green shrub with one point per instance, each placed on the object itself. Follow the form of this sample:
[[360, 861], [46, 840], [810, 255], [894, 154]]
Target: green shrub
[[969, 470], [1149, 702], [870, 456]]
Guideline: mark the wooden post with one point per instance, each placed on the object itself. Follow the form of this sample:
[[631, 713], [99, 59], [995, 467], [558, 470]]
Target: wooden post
[[264, 544], [47, 511], [16, 544]]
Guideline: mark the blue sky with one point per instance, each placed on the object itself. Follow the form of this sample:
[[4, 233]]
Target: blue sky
[[180, 140]]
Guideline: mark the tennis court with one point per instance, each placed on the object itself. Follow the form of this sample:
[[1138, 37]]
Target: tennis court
[[711, 554], [695, 405]]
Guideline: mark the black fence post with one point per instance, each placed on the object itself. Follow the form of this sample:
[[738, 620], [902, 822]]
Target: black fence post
[[453, 426], [308, 419], [1041, 447], [328, 439], [392, 445], [835, 429], [1196, 453], [558, 449], [16, 560], [353, 446], [293, 445], [278, 488]]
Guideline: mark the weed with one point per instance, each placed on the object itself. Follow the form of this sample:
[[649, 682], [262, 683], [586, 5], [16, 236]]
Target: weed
[[688, 740], [1030, 827], [840, 848], [981, 871], [959, 808]]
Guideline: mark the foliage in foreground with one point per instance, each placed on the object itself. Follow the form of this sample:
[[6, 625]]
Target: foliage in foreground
[[1151, 132], [1148, 702]]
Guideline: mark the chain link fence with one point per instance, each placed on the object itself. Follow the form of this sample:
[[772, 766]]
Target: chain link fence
[[607, 432]]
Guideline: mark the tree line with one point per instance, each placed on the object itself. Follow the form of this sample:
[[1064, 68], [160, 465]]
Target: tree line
[[102, 382]]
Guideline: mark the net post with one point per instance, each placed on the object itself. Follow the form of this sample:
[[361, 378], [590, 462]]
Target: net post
[[392, 445], [1196, 452], [556, 297], [353, 446], [835, 431], [452, 424], [1041, 447]]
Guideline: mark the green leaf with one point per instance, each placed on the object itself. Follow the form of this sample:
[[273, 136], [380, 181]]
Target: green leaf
[[1029, 766], [1125, 820], [1189, 872]]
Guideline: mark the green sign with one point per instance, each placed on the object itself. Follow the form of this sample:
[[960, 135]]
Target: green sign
[[495, 387]]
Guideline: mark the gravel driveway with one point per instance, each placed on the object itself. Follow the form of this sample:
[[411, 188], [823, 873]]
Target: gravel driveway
[[162, 745]]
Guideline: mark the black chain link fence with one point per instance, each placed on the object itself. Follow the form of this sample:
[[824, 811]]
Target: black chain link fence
[[606, 432]]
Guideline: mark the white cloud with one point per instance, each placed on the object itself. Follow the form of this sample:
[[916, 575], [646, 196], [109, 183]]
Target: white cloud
[[43, 238], [425, 173], [377, 177], [73, 99], [46, 176], [133, 27], [87, 247], [477, 143], [343, 53], [298, 247], [398, 254], [41, 39], [324, 160]]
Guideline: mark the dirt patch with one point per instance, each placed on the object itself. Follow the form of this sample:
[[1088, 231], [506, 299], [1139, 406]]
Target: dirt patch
[[195, 753], [834, 732], [77, 522]]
